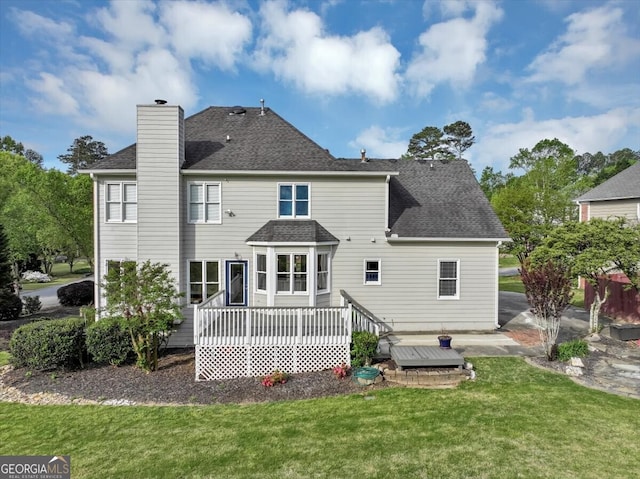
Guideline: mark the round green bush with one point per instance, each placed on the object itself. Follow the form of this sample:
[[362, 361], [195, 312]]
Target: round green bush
[[49, 344], [10, 306], [363, 348], [109, 341], [76, 294]]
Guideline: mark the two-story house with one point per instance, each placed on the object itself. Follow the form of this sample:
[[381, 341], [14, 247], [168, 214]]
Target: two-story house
[[280, 248]]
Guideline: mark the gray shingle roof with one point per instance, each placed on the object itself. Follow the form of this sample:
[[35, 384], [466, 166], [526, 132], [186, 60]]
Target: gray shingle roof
[[257, 143], [440, 202], [294, 231], [624, 185]]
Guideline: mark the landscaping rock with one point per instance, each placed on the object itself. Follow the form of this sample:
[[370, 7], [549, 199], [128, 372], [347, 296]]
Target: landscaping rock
[[576, 362], [573, 371]]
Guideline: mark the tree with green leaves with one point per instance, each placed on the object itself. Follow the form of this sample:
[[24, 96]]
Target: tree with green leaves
[[541, 198], [459, 138], [6, 276], [548, 290], [491, 181], [427, 144], [147, 298], [430, 143], [83, 153], [12, 146], [45, 212], [594, 250]]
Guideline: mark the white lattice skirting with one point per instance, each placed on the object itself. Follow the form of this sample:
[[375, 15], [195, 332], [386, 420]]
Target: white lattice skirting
[[228, 362]]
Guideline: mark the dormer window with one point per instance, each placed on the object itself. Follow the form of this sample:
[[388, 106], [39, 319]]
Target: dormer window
[[293, 200]]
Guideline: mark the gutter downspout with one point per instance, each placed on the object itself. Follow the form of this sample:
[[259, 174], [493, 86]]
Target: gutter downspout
[[96, 243], [497, 289], [386, 204]]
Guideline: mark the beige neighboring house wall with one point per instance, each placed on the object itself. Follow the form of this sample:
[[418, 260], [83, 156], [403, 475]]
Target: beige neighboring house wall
[[619, 196]]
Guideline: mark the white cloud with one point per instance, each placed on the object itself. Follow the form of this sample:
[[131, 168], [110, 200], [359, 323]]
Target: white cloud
[[381, 142], [131, 24], [144, 53], [594, 133], [55, 96], [493, 102], [295, 47], [31, 24], [594, 39], [209, 31], [452, 50]]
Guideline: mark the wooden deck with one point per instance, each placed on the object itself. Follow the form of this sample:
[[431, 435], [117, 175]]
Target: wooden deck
[[424, 356]]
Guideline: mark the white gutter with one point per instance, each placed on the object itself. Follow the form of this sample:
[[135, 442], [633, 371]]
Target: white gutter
[[108, 172], [497, 287], [392, 239], [287, 173]]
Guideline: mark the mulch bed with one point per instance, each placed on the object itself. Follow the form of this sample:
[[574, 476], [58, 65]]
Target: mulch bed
[[174, 383]]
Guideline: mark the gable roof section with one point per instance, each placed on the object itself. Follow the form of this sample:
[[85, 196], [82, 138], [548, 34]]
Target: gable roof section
[[440, 201], [256, 143], [624, 185], [292, 231]]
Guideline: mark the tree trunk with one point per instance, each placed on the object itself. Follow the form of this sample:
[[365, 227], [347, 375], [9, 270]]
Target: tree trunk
[[596, 306]]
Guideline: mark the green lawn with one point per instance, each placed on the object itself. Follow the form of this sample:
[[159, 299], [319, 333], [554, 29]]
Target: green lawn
[[514, 421], [60, 275], [508, 261]]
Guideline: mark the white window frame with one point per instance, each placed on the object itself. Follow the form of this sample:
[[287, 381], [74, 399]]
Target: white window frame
[[457, 279], [292, 273], [122, 202], [203, 278], [327, 272], [365, 271], [259, 272], [293, 200], [205, 202]]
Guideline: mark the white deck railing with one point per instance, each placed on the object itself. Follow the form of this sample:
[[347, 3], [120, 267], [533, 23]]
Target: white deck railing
[[234, 326], [249, 341]]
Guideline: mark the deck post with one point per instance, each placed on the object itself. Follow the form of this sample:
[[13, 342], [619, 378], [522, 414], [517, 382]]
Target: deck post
[[299, 326], [247, 333]]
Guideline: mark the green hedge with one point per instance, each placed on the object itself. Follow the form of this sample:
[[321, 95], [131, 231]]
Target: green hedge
[[49, 344], [108, 341]]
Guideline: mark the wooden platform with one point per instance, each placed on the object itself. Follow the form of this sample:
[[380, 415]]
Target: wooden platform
[[425, 356]]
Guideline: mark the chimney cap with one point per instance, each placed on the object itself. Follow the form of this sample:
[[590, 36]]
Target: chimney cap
[[160, 102]]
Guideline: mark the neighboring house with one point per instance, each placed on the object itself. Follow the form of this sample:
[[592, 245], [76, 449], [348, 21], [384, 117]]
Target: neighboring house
[[618, 196], [281, 249]]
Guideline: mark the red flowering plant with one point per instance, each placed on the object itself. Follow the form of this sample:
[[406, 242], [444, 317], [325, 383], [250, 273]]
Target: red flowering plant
[[341, 370], [276, 377]]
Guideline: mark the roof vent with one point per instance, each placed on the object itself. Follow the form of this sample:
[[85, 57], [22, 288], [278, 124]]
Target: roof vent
[[261, 106], [160, 102], [363, 156], [237, 110]]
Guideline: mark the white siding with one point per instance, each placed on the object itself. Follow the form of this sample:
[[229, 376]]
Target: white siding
[[160, 150], [115, 241]]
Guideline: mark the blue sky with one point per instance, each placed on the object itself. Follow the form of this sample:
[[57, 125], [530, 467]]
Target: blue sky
[[350, 74]]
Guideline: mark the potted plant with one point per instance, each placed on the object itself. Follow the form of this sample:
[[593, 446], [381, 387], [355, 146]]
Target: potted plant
[[444, 339]]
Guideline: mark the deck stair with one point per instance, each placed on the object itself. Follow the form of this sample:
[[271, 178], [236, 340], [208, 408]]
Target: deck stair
[[425, 356]]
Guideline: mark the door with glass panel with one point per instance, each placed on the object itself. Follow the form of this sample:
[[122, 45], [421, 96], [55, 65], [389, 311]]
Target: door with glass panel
[[236, 283]]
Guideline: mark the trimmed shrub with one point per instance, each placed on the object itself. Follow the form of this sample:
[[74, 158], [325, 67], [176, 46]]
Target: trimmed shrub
[[31, 304], [10, 306], [76, 294], [49, 344], [109, 341], [578, 348], [363, 348]]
